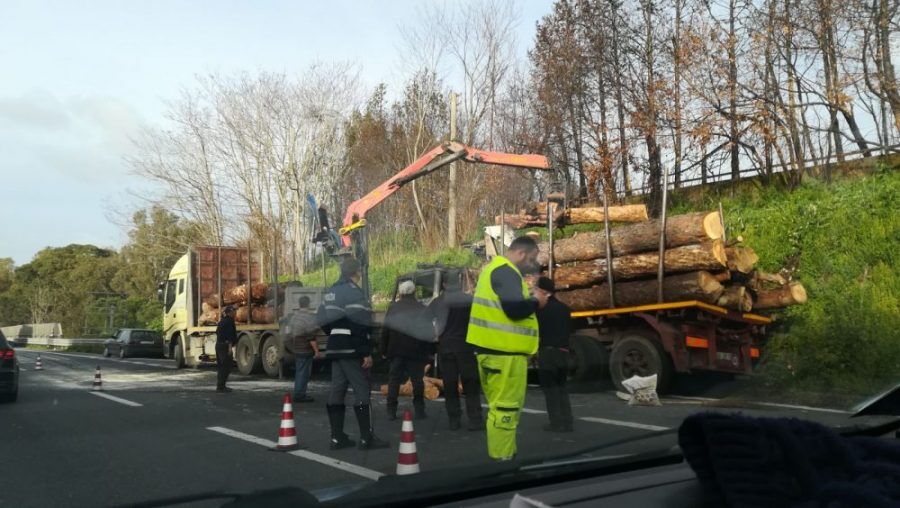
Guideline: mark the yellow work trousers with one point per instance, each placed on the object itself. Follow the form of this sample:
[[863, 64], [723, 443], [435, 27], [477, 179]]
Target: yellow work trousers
[[504, 379]]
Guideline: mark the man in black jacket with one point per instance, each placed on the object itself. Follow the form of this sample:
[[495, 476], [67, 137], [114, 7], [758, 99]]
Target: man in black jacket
[[456, 358], [553, 367], [345, 315], [226, 338], [406, 343]]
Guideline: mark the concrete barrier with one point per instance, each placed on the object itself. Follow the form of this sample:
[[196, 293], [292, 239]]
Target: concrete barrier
[[56, 342]]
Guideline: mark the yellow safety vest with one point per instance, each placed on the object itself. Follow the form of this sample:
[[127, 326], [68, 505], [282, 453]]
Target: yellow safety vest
[[490, 327]]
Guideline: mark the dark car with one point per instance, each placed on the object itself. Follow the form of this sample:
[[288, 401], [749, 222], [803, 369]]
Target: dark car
[[134, 342], [9, 371]]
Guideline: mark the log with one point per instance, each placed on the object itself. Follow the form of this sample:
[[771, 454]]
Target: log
[[722, 276], [238, 294], [789, 294], [623, 213], [212, 301], [741, 259], [261, 315], [764, 278], [205, 307], [689, 258], [735, 297], [687, 229], [209, 318], [700, 286]]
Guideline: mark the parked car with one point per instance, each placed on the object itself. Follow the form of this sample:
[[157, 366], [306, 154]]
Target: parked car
[[134, 342], [9, 371]]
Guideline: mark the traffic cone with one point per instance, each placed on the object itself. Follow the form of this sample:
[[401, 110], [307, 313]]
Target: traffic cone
[[408, 458], [37, 363], [287, 435], [98, 383]]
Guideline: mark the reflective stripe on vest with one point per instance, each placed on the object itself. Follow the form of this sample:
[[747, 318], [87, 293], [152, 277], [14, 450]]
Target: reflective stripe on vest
[[490, 327]]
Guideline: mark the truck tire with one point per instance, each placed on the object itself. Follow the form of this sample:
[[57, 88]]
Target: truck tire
[[639, 353], [178, 354], [271, 354], [248, 362], [585, 358]]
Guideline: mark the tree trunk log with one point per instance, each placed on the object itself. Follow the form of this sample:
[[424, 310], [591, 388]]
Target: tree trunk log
[[764, 278], [261, 315], [681, 230], [211, 301], [700, 286], [722, 276], [735, 297], [741, 259], [209, 318], [623, 213], [689, 258], [238, 294], [790, 294]]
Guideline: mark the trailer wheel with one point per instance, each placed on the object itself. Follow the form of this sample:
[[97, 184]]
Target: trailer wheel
[[178, 353], [247, 361], [636, 354], [271, 354], [585, 358]]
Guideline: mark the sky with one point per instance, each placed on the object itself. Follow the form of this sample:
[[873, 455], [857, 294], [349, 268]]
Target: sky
[[81, 79]]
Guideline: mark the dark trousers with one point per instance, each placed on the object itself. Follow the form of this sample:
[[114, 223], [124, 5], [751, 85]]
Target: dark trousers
[[553, 369], [456, 367], [400, 369], [348, 373], [223, 364]]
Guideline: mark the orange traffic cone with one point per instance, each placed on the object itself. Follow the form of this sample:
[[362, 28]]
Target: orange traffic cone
[[37, 363], [287, 435], [408, 458], [98, 383]]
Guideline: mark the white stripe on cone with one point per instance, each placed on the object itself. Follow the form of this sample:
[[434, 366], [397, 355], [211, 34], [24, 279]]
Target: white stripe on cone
[[37, 364], [407, 426], [403, 469], [407, 448], [288, 442], [98, 383]]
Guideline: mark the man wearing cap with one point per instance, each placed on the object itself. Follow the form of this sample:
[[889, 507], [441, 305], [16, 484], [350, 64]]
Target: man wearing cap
[[226, 338], [345, 315], [503, 329], [553, 365], [407, 343]]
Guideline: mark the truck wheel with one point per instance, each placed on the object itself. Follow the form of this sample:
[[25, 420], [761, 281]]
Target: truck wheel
[[585, 358], [271, 355], [247, 361], [178, 354], [636, 354]]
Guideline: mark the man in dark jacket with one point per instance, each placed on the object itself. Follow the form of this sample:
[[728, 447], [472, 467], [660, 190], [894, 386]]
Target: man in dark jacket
[[345, 315], [406, 343], [226, 339], [553, 366], [456, 358], [300, 331]]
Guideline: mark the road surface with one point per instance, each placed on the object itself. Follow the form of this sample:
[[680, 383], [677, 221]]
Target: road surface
[[156, 432]]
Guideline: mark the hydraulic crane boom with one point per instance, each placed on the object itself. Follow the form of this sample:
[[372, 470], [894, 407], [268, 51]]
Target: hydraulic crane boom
[[435, 159]]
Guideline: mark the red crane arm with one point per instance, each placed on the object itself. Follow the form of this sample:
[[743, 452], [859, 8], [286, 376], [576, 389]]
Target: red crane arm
[[435, 159]]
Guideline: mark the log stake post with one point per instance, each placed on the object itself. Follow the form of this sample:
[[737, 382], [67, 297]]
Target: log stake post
[[503, 232], [249, 286], [550, 208], [722, 220], [609, 260], [220, 296], [660, 274]]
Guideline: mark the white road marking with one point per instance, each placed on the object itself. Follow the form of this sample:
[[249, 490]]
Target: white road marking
[[767, 404], [116, 399], [622, 423], [321, 459]]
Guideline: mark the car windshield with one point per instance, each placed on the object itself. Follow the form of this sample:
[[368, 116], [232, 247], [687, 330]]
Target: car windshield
[[468, 240]]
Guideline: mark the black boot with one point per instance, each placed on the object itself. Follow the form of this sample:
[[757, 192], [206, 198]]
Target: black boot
[[419, 406], [368, 440], [336, 420]]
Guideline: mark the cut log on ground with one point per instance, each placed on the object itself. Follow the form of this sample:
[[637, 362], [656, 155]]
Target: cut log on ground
[[735, 297], [700, 286], [765, 278], [689, 258], [623, 213], [741, 259], [722, 276], [262, 315], [687, 229], [790, 294]]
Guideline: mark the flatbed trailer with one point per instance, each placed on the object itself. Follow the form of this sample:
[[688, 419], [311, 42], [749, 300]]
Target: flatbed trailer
[[665, 339]]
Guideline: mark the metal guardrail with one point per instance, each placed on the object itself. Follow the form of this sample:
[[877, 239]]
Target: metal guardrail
[[56, 342]]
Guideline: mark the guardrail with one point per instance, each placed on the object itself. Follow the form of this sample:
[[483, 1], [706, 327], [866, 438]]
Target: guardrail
[[56, 341]]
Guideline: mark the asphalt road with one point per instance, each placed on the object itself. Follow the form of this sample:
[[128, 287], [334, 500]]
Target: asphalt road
[[159, 432]]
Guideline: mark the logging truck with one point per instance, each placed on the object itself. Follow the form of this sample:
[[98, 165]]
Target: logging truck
[[206, 271]]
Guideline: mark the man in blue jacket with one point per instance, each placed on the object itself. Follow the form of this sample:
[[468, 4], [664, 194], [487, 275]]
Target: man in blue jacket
[[345, 315]]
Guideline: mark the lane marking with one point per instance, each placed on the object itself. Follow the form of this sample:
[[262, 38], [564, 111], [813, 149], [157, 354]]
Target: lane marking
[[766, 404], [315, 457], [621, 423], [116, 399]]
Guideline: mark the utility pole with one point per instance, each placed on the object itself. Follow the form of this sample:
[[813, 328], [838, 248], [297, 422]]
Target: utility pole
[[451, 195]]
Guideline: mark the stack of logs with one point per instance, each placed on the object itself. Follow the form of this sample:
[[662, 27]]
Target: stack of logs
[[255, 303], [698, 264]]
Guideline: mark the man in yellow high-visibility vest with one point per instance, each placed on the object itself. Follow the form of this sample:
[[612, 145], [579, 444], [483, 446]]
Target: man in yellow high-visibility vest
[[503, 329]]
